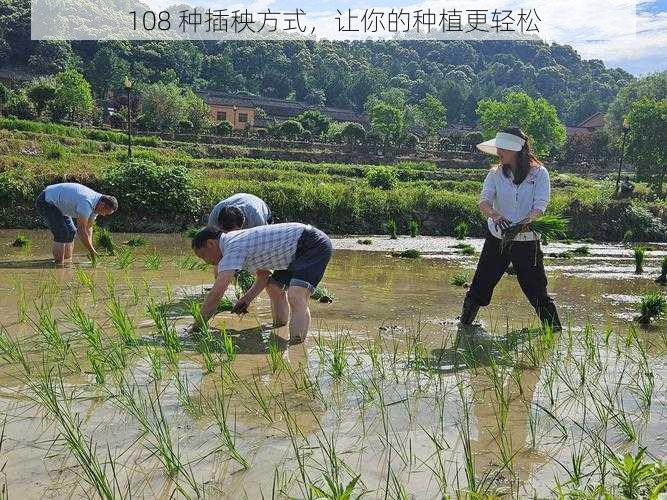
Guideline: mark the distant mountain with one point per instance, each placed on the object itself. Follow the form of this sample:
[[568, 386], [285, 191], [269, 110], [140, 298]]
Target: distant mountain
[[340, 74]]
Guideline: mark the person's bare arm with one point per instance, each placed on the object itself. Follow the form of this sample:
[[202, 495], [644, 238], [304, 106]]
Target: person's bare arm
[[486, 209], [210, 306], [86, 235], [261, 280]]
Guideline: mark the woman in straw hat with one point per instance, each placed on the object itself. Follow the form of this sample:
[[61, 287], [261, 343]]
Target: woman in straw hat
[[516, 191]]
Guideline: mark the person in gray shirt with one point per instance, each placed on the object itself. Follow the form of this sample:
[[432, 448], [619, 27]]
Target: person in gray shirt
[[254, 210], [60, 204]]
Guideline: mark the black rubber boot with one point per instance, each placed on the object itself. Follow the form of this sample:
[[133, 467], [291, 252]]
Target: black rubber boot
[[469, 311], [549, 316]]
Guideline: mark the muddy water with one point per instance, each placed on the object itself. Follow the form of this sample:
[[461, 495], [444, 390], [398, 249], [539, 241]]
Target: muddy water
[[379, 300]]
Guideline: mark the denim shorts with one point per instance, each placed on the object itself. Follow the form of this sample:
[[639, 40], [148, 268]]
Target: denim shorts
[[313, 252], [61, 226]]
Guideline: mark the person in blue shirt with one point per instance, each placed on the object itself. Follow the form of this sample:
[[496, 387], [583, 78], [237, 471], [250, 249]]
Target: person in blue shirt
[[60, 204], [516, 191]]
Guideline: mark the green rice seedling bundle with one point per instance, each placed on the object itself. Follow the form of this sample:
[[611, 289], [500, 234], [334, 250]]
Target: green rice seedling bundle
[[459, 279], [653, 306], [323, 295], [414, 228], [407, 254], [392, 229], [639, 252], [104, 240], [21, 241], [461, 230], [137, 241], [365, 241], [662, 279], [549, 227]]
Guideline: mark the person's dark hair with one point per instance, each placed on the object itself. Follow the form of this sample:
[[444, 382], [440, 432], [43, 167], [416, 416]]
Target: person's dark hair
[[203, 235], [109, 202], [231, 218], [526, 157]]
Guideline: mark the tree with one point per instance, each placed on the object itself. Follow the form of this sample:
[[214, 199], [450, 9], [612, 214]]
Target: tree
[[387, 121], [652, 86], [73, 98], [224, 128], [647, 145], [51, 56], [107, 71], [290, 129], [42, 92], [19, 105], [431, 115], [382, 177], [316, 122], [197, 112], [4, 96], [536, 117], [162, 106], [353, 134]]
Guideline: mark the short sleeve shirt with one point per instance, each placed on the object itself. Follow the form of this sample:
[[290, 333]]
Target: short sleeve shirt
[[263, 247], [255, 210], [73, 200]]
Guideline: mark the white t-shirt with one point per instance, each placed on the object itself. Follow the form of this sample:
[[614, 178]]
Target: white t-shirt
[[516, 202], [74, 200]]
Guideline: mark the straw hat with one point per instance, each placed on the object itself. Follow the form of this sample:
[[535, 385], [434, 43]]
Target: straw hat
[[502, 140]]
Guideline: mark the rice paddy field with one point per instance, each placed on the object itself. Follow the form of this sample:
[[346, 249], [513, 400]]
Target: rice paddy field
[[101, 396]]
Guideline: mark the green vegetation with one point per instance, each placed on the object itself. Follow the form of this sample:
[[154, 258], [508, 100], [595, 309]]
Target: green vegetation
[[323, 294], [407, 254], [653, 306], [136, 241], [104, 240], [365, 241], [460, 278], [392, 229], [639, 253], [414, 229], [461, 230], [21, 241]]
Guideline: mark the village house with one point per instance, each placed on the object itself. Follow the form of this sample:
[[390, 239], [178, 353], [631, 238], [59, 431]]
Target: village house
[[587, 126], [243, 111]]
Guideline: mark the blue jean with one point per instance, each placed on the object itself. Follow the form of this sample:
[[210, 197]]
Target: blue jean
[[62, 226]]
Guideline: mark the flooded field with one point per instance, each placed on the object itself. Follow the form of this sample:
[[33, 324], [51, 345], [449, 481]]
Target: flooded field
[[387, 397]]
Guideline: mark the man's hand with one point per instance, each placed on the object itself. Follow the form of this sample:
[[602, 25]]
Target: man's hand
[[241, 307]]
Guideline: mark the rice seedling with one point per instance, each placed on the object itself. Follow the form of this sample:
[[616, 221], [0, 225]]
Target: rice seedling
[[21, 241], [122, 323], [639, 253], [147, 410], [49, 392], [153, 260], [155, 362], [191, 263], [12, 352], [219, 409], [136, 241], [124, 258], [460, 278], [104, 240], [194, 407], [414, 228], [365, 241], [338, 364], [652, 307], [86, 326], [86, 281], [461, 230], [275, 357], [581, 250], [662, 279], [467, 249], [392, 229], [323, 295], [166, 330], [407, 254], [549, 227], [263, 400], [47, 326], [244, 280]]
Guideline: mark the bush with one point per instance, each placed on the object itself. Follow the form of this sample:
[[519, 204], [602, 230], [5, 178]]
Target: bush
[[54, 151], [223, 129], [382, 177], [353, 134], [145, 189]]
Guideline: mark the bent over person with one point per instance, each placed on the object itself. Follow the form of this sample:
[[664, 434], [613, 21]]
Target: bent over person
[[297, 253], [60, 204], [515, 192], [239, 211]]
